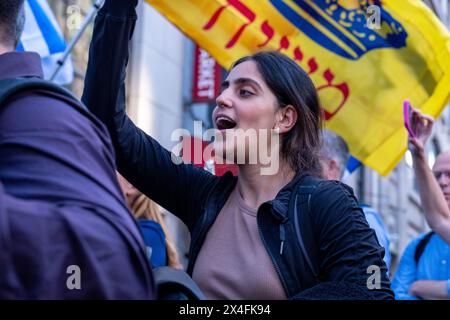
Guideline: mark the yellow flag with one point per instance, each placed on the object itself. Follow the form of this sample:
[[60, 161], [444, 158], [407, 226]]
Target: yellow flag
[[365, 57]]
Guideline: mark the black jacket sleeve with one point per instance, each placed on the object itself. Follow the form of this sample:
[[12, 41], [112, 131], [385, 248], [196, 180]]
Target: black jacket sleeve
[[182, 188], [348, 248]]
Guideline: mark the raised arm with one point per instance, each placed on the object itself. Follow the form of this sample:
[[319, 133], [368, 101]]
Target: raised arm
[[432, 198], [182, 188]]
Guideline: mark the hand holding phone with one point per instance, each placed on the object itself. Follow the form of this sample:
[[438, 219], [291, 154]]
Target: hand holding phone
[[407, 117], [419, 126]]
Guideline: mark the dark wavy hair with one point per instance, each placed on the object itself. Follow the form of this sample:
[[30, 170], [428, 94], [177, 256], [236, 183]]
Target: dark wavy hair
[[291, 85], [12, 20]]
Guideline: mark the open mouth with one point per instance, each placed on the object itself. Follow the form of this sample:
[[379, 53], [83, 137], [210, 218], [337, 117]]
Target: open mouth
[[225, 123]]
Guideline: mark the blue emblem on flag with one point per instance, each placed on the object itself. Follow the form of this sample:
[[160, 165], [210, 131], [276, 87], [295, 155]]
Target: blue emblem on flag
[[341, 25]]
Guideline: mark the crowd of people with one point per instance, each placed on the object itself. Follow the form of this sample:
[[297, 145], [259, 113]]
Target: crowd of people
[[299, 233]]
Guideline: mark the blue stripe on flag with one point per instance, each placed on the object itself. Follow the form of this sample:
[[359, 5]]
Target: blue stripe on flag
[[20, 47], [353, 164], [54, 40]]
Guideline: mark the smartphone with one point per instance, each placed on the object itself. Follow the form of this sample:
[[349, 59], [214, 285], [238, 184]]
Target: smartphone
[[407, 116]]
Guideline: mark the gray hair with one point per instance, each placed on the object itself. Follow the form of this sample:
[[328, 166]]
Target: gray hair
[[334, 148], [12, 21]]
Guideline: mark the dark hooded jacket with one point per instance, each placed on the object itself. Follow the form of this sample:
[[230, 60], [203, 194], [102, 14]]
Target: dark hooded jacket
[[65, 231]]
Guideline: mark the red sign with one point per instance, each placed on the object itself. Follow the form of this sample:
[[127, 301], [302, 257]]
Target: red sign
[[207, 77], [193, 152]]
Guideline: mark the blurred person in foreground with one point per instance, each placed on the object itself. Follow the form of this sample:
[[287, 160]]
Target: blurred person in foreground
[[65, 231]]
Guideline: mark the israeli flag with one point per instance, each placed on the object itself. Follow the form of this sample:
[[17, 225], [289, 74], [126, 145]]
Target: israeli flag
[[43, 35], [352, 165]]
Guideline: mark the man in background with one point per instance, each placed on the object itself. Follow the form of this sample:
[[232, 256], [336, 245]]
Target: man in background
[[424, 269]]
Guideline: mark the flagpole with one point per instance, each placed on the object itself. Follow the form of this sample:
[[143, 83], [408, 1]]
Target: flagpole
[[96, 7]]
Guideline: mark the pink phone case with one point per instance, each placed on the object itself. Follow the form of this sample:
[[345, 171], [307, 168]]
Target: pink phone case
[[406, 115]]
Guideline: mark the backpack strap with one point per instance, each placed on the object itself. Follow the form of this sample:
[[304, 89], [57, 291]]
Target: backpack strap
[[13, 86], [421, 246], [175, 284], [300, 207]]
